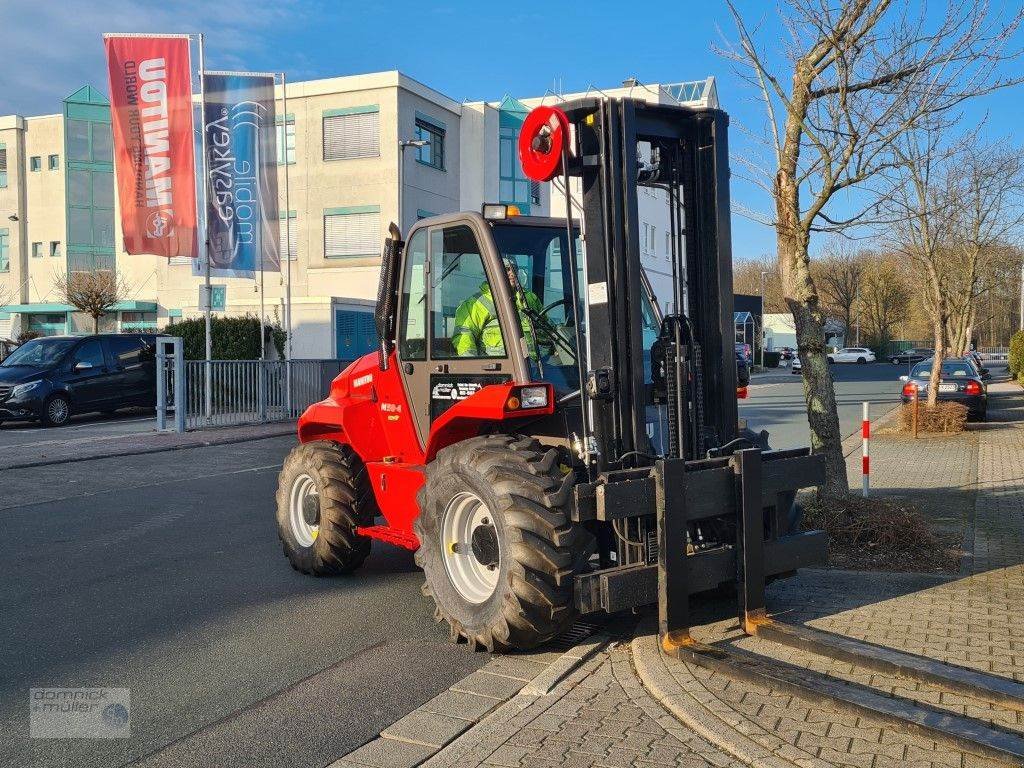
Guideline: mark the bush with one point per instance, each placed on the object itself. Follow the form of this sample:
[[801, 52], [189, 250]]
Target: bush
[[948, 418], [771, 359], [1016, 357], [879, 534], [27, 336], [234, 338]]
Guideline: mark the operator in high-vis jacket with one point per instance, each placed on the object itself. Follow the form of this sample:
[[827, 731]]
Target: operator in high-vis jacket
[[477, 331]]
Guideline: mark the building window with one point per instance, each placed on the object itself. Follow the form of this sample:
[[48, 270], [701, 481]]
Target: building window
[[668, 244], [289, 243], [286, 141], [433, 132], [352, 132], [37, 250], [54, 162], [35, 163], [5, 242], [352, 232], [138, 321], [55, 247], [3, 166]]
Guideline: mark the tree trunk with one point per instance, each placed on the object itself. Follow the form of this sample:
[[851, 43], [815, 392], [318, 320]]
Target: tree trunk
[[939, 339], [819, 392], [95, 324]]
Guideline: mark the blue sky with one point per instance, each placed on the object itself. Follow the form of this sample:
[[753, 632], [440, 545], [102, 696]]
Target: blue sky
[[467, 50]]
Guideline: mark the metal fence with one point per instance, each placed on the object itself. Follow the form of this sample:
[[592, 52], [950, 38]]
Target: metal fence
[[254, 391]]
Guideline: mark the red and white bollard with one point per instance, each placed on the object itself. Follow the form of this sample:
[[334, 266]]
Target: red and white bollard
[[865, 470]]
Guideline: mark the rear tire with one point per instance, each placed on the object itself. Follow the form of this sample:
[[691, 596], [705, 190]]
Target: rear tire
[[319, 536], [510, 587], [831, 360], [861, 360]]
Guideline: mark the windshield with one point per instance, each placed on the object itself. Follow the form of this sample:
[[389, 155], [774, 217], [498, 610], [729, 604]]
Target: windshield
[[38, 353], [541, 262], [952, 370]]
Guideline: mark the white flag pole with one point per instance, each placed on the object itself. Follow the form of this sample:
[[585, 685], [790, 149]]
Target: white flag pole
[[208, 378], [287, 225]]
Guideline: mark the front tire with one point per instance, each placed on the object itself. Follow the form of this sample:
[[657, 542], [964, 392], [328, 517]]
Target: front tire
[[831, 360], [56, 411], [323, 494], [497, 547]]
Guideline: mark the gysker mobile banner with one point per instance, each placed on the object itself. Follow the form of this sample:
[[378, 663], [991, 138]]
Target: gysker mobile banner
[[242, 223], [154, 150]]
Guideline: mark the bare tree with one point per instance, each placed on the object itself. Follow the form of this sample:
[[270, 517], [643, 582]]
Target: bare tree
[[988, 211], [750, 276], [885, 295], [839, 272], [856, 77], [94, 293]]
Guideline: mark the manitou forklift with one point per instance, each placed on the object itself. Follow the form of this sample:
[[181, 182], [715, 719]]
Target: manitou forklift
[[551, 446]]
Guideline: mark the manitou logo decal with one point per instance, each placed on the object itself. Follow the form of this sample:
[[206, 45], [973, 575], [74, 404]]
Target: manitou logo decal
[[362, 381], [158, 189]]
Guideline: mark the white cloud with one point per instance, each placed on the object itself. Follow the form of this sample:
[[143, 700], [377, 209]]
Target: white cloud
[[52, 48]]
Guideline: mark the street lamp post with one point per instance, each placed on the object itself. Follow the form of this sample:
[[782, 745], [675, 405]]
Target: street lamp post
[[404, 144], [761, 340]]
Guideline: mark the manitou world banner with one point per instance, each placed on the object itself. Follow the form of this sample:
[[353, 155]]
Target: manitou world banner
[[242, 223], [154, 151]]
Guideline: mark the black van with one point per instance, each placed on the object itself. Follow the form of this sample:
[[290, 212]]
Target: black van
[[53, 377]]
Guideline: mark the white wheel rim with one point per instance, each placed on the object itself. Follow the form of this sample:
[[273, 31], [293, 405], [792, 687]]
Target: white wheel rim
[[473, 578], [57, 410], [303, 487]]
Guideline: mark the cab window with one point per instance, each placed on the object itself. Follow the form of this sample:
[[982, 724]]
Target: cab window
[[464, 319], [412, 337]]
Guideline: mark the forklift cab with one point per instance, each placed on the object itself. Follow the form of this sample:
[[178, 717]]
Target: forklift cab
[[487, 299]]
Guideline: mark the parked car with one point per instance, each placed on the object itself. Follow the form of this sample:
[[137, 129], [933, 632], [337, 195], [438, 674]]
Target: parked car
[[796, 367], [913, 355], [743, 349], [852, 355], [51, 378], [975, 358], [959, 382], [742, 370], [786, 353]]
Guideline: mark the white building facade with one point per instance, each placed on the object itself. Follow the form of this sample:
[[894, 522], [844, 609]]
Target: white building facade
[[339, 144]]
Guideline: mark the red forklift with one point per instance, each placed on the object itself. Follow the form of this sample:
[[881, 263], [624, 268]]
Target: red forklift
[[550, 446]]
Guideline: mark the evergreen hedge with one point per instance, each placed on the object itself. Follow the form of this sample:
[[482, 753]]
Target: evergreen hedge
[[1016, 357], [234, 338]]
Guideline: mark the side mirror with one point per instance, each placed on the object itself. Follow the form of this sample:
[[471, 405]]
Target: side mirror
[[904, 379], [82, 365]]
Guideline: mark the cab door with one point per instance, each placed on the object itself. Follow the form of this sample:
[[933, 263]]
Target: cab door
[[453, 337]]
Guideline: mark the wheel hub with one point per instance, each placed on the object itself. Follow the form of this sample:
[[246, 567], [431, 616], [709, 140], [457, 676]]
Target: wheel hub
[[470, 547], [304, 510]]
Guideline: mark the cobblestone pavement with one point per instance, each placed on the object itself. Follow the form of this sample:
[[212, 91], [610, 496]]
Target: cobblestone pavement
[[598, 717], [970, 622]]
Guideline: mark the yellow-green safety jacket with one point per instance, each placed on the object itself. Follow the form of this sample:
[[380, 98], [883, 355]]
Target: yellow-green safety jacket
[[477, 332]]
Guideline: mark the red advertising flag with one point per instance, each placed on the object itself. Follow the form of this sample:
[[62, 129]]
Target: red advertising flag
[[154, 149]]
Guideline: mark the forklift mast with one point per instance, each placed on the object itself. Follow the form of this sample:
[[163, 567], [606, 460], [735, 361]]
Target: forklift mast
[[685, 153]]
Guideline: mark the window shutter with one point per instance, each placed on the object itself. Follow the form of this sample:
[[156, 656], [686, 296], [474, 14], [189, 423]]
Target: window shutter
[[3, 159], [348, 136], [291, 248], [352, 234]]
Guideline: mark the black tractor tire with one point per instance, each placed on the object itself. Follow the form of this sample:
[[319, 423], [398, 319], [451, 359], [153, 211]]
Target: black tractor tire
[[345, 502], [49, 416], [528, 497]]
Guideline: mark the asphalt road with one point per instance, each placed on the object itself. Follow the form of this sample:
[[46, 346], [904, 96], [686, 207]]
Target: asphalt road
[[163, 574], [779, 406], [92, 426]]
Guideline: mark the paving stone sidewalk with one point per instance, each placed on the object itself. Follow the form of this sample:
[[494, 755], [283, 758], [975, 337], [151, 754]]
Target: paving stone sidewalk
[[971, 621]]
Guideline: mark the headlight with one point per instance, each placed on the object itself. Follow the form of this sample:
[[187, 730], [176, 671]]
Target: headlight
[[533, 397], [28, 386]]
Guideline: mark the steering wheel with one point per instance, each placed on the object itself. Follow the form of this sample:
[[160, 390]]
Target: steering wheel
[[563, 302]]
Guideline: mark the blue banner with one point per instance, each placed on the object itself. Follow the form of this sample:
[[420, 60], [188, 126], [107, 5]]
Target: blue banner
[[242, 224]]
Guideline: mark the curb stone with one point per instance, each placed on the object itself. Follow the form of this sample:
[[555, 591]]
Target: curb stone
[[695, 709], [488, 697]]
